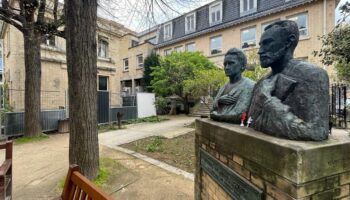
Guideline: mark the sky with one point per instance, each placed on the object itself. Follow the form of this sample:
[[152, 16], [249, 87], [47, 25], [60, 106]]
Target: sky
[[140, 15]]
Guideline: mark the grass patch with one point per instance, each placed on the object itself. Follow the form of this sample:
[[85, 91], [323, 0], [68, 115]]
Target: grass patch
[[178, 151], [109, 127], [114, 126], [156, 145], [152, 119], [24, 140], [108, 169]]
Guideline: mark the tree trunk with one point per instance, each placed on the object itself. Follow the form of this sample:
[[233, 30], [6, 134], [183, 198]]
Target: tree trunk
[[186, 106], [32, 124], [82, 76]]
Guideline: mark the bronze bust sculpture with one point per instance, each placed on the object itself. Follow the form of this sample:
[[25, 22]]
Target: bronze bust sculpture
[[234, 98], [292, 101]]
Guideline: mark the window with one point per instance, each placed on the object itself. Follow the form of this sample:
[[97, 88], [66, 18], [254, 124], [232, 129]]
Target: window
[[215, 45], [215, 13], [126, 64], [248, 6], [190, 23], [178, 49], [168, 31], [264, 25], [49, 40], [191, 47], [248, 37], [103, 83], [134, 43], [167, 52], [102, 48], [301, 20], [139, 60]]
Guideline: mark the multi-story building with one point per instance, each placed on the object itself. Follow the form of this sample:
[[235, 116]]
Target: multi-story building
[[216, 27], [120, 60], [212, 29]]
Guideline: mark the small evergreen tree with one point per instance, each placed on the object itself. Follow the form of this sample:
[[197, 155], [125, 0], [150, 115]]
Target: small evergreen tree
[[150, 61]]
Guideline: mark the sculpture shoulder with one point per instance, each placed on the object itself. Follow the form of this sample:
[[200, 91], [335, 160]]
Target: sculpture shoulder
[[306, 71], [248, 83]]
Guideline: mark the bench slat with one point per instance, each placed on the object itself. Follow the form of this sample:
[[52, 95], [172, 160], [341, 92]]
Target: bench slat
[[86, 185], [78, 187]]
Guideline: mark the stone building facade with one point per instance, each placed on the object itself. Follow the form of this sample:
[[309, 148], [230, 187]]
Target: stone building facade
[[215, 28], [114, 43], [211, 29]]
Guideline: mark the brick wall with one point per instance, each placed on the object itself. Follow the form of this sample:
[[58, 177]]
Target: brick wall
[[274, 186]]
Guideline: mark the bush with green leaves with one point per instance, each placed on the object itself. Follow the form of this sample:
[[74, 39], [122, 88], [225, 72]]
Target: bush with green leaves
[[336, 46], [155, 145], [174, 70]]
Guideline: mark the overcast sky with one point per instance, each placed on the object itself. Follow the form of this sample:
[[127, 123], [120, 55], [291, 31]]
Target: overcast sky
[[138, 14]]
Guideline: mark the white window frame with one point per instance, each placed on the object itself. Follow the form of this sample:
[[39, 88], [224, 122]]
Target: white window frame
[[186, 47], [166, 36], [140, 65], [179, 49], [249, 11], [211, 48], [126, 67], [103, 39], [307, 23], [167, 50], [194, 21], [255, 41], [211, 11]]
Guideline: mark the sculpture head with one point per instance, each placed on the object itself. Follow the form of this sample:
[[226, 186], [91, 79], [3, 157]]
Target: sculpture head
[[235, 62], [278, 42]]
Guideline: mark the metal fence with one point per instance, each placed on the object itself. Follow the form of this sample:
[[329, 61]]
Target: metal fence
[[109, 104], [340, 105], [14, 121], [54, 106]]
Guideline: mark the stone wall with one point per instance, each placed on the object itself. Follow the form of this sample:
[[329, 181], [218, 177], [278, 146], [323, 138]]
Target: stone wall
[[281, 169]]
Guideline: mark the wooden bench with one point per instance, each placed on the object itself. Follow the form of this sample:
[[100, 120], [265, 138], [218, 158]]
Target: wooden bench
[[78, 187], [6, 172]]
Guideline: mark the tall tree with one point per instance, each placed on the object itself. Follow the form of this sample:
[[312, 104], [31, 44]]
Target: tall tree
[[28, 16], [336, 47], [174, 70], [150, 61], [82, 80]]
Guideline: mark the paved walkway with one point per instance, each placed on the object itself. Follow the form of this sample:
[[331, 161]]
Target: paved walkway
[[39, 166], [169, 128]]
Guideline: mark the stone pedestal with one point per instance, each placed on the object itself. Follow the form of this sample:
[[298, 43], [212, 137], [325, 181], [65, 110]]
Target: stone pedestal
[[234, 162]]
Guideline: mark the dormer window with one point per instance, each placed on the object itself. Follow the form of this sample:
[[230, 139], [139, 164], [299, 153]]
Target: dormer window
[[215, 13], [248, 7], [168, 31], [190, 23]]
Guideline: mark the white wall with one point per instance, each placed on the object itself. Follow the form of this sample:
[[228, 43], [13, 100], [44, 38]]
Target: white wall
[[145, 105]]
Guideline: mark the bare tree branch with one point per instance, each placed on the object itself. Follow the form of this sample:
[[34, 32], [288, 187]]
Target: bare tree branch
[[11, 15], [12, 22], [55, 9], [41, 13]]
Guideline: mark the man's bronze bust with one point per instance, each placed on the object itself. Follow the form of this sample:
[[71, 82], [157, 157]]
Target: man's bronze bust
[[234, 98], [292, 101]]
